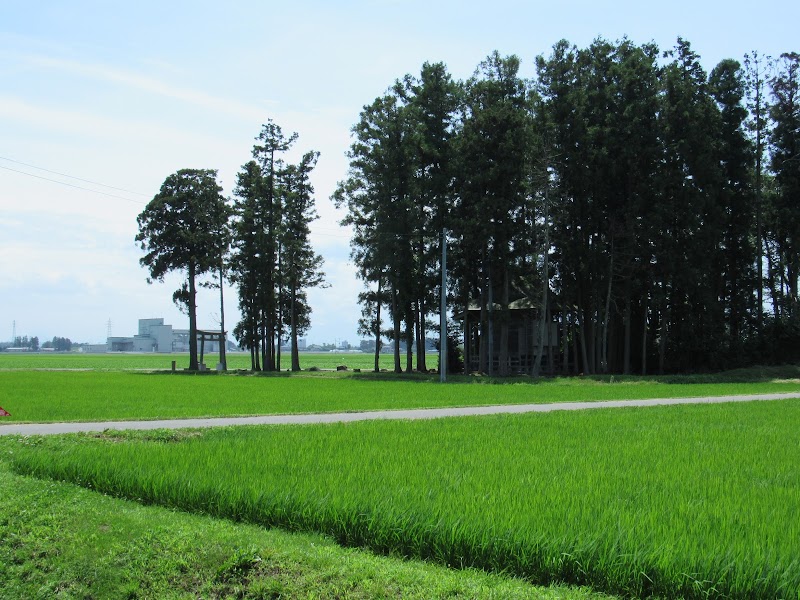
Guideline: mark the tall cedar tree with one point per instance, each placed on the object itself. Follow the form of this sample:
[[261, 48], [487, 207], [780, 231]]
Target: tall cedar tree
[[300, 265], [492, 148], [180, 230], [376, 194], [785, 164]]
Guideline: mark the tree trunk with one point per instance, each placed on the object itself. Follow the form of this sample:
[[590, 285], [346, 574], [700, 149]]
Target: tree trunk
[[293, 318], [504, 366], [490, 326], [378, 330], [607, 316], [422, 365], [193, 366], [776, 309], [483, 347], [663, 332], [410, 339], [644, 338], [543, 323], [587, 367], [396, 331], [223, 357], [467, 333], [280, 310], [564, 341], [626, 352], [421, 312], [576, 368]]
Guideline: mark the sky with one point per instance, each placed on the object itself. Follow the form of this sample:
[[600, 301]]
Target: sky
[[101, 101]]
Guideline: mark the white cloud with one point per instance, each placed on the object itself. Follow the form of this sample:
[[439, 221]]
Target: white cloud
[[152, 85]]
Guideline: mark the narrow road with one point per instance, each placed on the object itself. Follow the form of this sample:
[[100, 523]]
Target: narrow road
[[420, 413]]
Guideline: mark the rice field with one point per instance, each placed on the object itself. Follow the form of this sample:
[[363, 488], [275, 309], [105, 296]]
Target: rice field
[[163, 362], [58, 396], [682, 501]]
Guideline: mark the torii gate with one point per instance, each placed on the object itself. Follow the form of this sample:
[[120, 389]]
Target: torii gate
[[205, 334]]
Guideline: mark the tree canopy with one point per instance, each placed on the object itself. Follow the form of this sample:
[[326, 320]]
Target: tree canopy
[[180, 230], [622, 192]]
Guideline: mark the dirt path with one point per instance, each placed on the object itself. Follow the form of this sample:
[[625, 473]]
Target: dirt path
[[421, 413]]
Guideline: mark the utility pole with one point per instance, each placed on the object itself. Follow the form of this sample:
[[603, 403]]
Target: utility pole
[[443, 314]]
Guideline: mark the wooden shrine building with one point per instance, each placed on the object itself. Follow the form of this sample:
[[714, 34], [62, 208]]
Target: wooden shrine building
[[522, 343]]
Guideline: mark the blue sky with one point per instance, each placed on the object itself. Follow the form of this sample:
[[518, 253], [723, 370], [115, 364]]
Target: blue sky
[[126, 93]]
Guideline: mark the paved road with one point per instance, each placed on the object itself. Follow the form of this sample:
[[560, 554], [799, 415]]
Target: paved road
[[422, 413]]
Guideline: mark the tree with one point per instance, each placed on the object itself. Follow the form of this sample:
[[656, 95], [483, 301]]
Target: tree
[[247, 258], [255, 263], [300, 265], [785, 165], [739, 206], [179, 230], [493, 155], [377, 196], [59, 344], [756, 68], [398, 194], [432, 101]]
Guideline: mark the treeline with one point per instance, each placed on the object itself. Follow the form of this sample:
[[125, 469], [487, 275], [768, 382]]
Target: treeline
[[23, 341], [59, 344], [651, 209], [259, 239]]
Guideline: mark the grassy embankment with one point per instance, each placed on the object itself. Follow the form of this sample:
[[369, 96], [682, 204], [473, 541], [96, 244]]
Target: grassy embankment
[[691, 501], [58, 540]]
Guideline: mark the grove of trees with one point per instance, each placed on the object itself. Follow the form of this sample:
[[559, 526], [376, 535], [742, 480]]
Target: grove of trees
[[59, 344], [650, 208], [260, 240]]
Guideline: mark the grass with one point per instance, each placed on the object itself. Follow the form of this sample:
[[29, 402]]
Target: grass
[[57, 396], [682, 501], [59, 540]]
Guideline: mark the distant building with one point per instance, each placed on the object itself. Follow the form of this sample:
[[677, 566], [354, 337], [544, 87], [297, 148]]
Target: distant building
[[522, 343], [155, 336], [93, 348]]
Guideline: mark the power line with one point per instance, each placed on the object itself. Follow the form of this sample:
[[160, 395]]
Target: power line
[[111, 187], [78, 187]]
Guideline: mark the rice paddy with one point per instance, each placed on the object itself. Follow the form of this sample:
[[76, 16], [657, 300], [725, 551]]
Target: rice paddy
[[690, 501], [58, 396], [152, 361]]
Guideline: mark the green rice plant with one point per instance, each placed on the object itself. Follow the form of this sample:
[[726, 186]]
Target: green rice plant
[[56, 396], [60, 541], [163, 362], [681, 501]]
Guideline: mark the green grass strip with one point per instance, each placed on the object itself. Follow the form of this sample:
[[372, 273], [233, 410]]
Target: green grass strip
[[682, 501]]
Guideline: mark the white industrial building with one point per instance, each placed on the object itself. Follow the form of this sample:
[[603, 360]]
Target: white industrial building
[[155, 336]]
